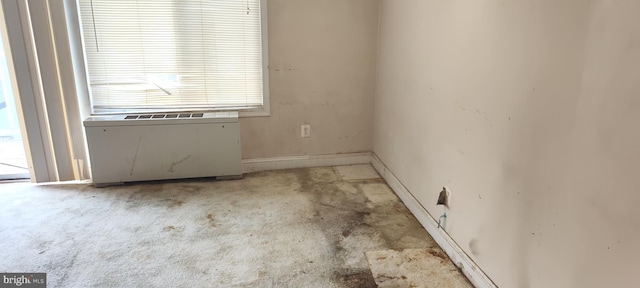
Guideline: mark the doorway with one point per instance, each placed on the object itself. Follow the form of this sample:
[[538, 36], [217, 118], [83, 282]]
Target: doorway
[[13, 160]]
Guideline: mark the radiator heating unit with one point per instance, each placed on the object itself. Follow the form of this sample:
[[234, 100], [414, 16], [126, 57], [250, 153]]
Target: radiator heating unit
[[143, 147]]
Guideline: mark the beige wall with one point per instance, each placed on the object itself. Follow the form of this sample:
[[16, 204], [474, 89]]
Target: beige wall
[[529, 112], [322, 57]]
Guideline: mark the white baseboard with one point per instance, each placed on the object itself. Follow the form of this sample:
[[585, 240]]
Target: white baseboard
[[475, 275], [278, 163]]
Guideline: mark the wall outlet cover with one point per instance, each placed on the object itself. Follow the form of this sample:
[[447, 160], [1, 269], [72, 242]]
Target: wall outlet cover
[[305, 131]]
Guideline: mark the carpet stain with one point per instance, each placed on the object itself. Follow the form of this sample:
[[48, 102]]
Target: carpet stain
[[288, 228], [437, 254], [443, 258], [348, 218], [172, 203], [189, 189], [173, 230], [361, 278], [415, 268], [211, 220]]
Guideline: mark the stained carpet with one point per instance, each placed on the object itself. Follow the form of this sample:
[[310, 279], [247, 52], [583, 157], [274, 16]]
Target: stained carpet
[[290, 228]]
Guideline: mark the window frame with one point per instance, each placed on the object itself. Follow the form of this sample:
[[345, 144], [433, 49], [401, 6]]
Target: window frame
[[74, 28]]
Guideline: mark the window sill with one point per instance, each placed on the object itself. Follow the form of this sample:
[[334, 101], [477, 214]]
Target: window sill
[[261, 112]]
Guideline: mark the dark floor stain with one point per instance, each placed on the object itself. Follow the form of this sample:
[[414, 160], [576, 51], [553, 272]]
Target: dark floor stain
[[340, 213], [438, 254], [190, 189], [172, 203], [360, 278], [384, 277], [211, 220], [346, 222], [162, 194], [443, 258]]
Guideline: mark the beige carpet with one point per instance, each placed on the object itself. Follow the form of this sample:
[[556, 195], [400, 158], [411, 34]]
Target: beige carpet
[[290, 228]]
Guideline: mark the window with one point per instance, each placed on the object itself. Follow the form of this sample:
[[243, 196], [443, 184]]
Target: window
[[158, 55]]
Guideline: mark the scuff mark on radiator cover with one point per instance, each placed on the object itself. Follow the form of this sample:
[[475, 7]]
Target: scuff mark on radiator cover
[[135, 156], [174, 164]]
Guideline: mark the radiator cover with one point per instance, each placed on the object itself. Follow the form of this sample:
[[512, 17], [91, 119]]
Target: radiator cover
[[126, 148]]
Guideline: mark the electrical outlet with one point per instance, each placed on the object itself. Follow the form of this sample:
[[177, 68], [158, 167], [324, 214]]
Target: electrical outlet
[[305, 131]]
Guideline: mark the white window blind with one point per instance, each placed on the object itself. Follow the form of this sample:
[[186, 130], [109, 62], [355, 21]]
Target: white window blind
[[173, 54]]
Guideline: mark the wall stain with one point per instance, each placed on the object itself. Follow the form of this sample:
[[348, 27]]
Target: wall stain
[[473, 247]]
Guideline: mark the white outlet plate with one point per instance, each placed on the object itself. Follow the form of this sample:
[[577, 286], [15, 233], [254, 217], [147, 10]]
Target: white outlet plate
[[305, 131]]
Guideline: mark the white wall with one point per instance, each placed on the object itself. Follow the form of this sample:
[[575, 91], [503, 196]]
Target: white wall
[[322, 58], [528, 111]]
